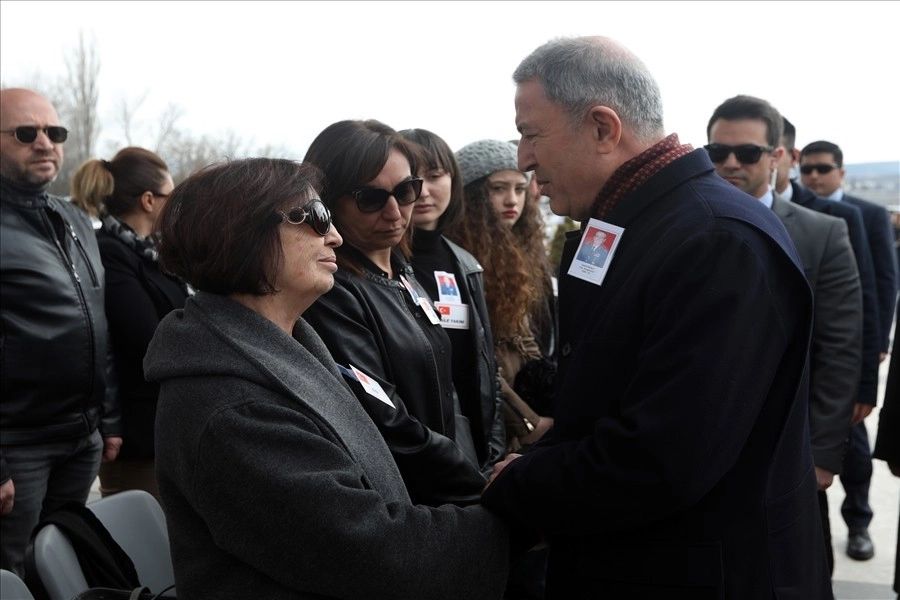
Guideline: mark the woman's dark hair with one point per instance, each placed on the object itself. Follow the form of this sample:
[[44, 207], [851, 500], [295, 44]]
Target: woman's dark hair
[[436, 154], [219, 230], [115, 187], [352, 153]]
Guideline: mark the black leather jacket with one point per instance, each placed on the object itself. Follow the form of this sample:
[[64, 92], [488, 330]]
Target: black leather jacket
[[484, 408], [371, 322], [55, 369], [138, 296]]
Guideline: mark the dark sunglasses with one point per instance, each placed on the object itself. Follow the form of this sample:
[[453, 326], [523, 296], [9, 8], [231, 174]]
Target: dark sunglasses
[[748, 154], [369, 200], [28, 133], [315, 214], [822, 169]]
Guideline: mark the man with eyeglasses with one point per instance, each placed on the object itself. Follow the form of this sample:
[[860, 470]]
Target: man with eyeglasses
[[58, 415], [745, 135], [822, 171]]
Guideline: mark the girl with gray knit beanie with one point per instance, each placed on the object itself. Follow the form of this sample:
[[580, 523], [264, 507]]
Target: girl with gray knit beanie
[[502, 229], [501, 226]]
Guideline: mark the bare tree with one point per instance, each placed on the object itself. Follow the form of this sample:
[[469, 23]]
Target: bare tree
[[168, 121], [185, 153], [125, 112], [83, 69], [76, 100]]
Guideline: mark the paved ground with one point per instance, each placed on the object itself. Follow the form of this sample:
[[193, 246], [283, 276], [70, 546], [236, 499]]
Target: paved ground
[[871, 579]]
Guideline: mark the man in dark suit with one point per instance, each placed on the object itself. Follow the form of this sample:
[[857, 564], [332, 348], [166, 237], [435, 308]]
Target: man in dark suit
[[824, 247], [887, 442], [793, 191], [822, 171], [679, 462], [895, 221]]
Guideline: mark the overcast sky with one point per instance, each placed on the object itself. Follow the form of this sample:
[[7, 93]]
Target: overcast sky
[[277, 73]]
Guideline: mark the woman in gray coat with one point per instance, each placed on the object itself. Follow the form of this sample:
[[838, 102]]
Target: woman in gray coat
[[274, 480]]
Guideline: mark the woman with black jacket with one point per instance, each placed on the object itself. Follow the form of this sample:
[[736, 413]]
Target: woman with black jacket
[[501, 228], [127, 195], [454, 279], [378, 321]]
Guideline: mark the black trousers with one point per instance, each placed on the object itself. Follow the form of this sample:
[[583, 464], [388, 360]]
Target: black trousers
[[856, 474], [826, 529]]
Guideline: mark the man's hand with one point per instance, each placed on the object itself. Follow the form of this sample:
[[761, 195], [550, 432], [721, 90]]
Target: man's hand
[[7, 494], [824, 478], [860, 412], [111, 446]]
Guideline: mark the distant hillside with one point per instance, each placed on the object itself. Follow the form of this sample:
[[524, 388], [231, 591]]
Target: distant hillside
[[877, 182], [874, 170]]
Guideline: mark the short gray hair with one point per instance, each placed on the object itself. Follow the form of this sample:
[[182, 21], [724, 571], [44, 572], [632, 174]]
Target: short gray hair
[[578, 73]]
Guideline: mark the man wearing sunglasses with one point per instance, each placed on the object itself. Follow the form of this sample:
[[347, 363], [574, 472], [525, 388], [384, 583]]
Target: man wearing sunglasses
[[743, 123], [57, 398], [867, 389], [822, 171]]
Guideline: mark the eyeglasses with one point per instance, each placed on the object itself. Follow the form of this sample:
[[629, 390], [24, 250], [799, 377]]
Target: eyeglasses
[[748, 154], [821, 169], [26, 134], [369, 200], [315, 214]]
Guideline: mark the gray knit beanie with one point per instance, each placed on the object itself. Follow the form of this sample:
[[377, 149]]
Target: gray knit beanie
[[480, 159]]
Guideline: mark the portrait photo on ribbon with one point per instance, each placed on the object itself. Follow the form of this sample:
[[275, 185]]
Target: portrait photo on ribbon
[[595, 251]]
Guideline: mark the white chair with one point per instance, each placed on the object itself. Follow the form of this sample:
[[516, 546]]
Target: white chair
[[12, 587], [136, 521], [56, 565]]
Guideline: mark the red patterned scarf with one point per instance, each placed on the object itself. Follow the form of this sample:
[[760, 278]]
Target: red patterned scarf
[[637, 171]]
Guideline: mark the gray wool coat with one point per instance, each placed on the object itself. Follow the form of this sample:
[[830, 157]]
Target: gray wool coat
[[276, 483]]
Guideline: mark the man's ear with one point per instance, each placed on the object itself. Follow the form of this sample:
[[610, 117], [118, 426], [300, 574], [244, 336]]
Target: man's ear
[[606, 128]]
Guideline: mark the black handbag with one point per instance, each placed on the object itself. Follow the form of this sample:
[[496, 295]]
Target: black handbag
[[140, 593], [106, 567]]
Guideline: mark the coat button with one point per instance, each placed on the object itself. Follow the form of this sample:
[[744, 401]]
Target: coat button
[[566, 349]]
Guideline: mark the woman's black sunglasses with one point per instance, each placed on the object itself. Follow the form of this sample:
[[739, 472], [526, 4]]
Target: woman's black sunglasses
[[369, 200], [26, 134], [315, 214]]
